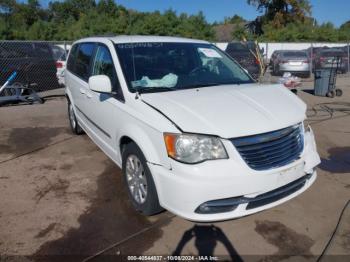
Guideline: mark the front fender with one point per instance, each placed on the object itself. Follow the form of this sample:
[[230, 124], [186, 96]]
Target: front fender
[[149, 140]]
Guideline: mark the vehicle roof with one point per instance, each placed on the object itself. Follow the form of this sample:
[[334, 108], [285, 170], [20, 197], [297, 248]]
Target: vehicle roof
[[336, 50], [238, 41], [141, 38], [292, 51]]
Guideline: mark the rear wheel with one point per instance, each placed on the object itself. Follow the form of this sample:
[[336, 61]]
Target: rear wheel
[[331, 94], [74, 125], [139, 181], [277, 71], [338, 92], [306, 75], [274, 72]]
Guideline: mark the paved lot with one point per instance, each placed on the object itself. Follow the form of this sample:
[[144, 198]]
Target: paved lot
[[60, 195]]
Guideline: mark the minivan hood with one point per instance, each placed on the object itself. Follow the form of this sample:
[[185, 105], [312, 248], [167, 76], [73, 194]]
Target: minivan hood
[[230, 110]]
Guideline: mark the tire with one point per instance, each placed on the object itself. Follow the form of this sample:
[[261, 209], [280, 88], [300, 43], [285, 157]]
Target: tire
[[306, 75], [73, 122], [142, 191], [274, 73], [277, 71], [294, 91], [331, 94], [338, 92]]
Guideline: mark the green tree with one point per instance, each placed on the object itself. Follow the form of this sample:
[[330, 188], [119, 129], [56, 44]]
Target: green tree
[[281, 20], [282, 12], [344, 31], [326, 32], [236, 19]]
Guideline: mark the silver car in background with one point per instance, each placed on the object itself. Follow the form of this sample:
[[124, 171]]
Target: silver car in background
[[293, 61]]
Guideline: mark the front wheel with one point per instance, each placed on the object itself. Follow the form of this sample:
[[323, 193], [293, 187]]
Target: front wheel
[[139, 181]]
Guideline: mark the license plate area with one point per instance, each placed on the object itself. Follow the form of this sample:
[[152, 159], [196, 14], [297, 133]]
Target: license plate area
[[295, 63], [290, 174]]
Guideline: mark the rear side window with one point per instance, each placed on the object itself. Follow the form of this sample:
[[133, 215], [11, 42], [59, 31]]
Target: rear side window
[[57, 52], [236, 47], [43, 51], [16, 50], [295, 54], [82, 61], [333, 53], [71, 58]]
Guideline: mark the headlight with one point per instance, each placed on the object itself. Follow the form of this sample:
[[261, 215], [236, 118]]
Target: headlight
[[189, 148]]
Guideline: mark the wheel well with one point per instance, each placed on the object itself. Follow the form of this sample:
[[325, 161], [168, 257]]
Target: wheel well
[[123, 142]]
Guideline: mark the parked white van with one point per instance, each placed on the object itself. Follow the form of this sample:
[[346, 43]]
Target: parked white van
[[191, 130]]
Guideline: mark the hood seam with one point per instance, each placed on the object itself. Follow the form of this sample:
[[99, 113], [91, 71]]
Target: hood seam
[[159, 111]]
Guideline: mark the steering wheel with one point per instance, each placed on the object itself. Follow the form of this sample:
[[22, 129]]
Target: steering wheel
[[199, 69]]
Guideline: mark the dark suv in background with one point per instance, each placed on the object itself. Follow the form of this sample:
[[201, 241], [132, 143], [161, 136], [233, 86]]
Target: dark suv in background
[[243, 53], [328, 58], [33, 62]]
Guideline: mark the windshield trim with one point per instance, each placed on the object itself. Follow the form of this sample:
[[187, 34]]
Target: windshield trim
[[133, 91]]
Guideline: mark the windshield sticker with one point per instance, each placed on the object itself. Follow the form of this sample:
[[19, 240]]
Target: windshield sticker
[[143, 45], [208, 52]]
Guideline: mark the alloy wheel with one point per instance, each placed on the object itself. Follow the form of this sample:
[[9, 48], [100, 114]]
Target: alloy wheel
[[136, 179]]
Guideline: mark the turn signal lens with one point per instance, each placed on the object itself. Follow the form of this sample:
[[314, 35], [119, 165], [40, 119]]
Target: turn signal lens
[[170, 144]]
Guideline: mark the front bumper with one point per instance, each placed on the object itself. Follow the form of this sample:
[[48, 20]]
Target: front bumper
[[184, 188]]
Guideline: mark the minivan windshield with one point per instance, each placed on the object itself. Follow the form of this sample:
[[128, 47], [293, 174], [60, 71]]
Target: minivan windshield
[[159, 66]]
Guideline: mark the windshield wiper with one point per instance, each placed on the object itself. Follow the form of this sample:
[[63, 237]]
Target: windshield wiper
[[142, 89], [200, 85], [210, 84]]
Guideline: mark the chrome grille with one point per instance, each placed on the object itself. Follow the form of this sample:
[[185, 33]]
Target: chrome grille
[[272, 149]]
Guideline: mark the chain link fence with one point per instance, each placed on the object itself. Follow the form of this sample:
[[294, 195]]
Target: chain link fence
[[318, 55], [39, 65]]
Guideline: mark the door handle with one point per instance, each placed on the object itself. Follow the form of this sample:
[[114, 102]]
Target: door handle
[[88, 95], [82, 91]]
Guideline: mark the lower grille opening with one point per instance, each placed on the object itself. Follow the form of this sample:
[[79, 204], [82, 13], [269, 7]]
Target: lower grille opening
[[230, 204], [277, 194]]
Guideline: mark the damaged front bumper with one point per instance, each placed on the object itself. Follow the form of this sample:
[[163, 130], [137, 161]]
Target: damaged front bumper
[[226, 189]]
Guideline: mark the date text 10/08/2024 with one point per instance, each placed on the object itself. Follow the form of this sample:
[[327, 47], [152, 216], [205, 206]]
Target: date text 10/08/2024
[[173, 258]]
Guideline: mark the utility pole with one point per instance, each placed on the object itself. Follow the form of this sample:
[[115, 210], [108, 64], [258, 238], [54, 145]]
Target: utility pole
[[348, 56], [311, 57]]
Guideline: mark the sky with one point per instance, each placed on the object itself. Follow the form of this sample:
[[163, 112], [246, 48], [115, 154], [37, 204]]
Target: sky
[[335, 11]]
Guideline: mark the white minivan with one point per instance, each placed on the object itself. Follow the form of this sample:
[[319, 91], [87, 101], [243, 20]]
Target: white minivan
[[191, 130]]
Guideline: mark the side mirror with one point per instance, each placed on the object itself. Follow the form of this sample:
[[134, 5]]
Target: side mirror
[[100, 84]]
